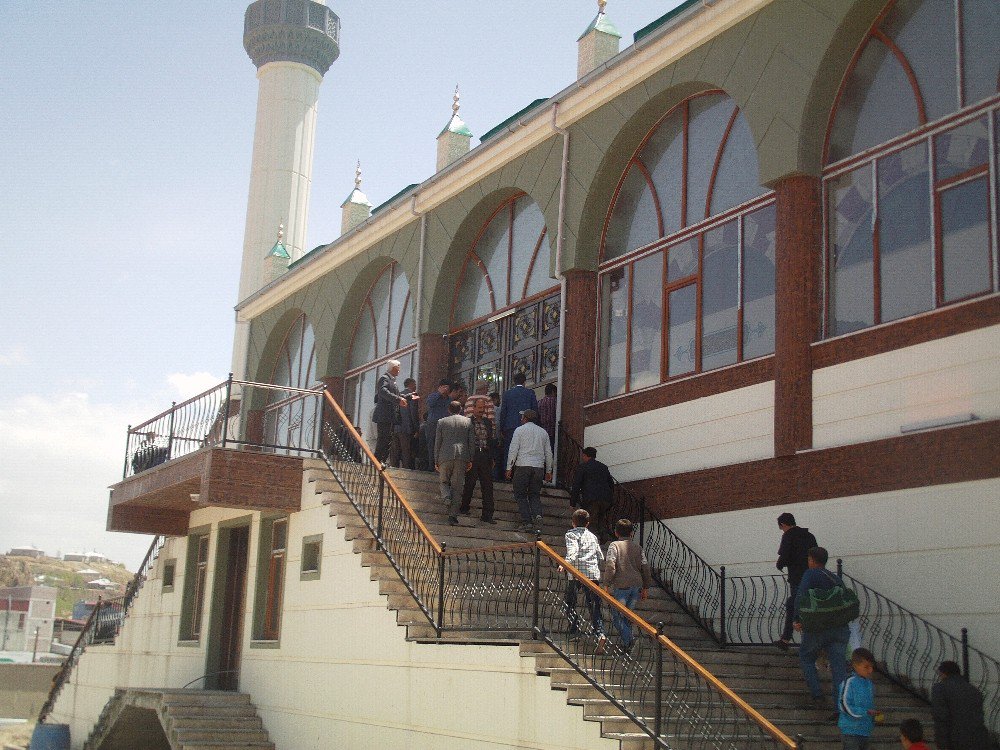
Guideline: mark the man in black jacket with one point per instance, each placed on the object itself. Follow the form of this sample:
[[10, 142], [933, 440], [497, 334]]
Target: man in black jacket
[[592, 488], [388, 402], [957, 708], [793, 555]]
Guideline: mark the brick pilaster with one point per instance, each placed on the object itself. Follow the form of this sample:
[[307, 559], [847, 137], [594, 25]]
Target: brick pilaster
[[578, 348], [797, 254]]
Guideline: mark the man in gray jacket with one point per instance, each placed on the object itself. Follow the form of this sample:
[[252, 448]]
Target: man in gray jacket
[[453, 447]]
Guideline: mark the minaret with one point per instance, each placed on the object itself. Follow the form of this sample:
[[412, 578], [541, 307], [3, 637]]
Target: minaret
[[454, 141], [292, 43], [357, 208], [598, 44]]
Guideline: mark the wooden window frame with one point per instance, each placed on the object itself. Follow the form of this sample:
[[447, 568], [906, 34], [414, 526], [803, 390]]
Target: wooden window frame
[[274, 593]]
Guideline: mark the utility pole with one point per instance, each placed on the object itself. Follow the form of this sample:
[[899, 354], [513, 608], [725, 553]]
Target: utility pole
[[34, 651], [6, 622]]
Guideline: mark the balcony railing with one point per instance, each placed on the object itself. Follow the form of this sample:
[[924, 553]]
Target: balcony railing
[[233, 414]]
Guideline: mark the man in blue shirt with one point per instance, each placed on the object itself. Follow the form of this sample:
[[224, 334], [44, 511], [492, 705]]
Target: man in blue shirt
[[833, 641], [516, 400]]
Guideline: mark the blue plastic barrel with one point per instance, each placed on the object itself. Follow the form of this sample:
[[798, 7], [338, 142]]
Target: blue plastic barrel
[[50, 737]]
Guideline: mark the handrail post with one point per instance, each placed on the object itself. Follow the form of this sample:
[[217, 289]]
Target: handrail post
[[840, 567], [170, 438], [381, 504], [128, 440], [642, 520], [965, 653], [536, 585], [440, 613], [722, 605], [800, 742], [225, 413], [658, 718]]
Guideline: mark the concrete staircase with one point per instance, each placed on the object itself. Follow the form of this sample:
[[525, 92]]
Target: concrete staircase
[[766, 678], [155, 719]]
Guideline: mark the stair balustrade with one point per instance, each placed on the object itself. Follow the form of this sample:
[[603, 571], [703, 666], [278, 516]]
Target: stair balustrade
[[520, 589], [750, 610]]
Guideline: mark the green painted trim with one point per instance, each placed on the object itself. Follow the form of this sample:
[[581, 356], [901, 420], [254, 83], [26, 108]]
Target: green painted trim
[[189, 644], [170, 564], [400, 194], [265, 644], [495, 130], [651, 27], [314, 573]]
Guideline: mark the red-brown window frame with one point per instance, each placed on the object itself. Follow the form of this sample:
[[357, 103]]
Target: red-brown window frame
[[472, 257], [200, 582], [368, 307], [274, 594]]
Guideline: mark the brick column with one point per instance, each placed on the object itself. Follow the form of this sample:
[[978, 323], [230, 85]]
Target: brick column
[[797, 262], [578, 348], [433, 363]]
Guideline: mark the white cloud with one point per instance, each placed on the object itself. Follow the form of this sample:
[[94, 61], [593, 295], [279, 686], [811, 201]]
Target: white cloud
[[15, 356], [186, 385]]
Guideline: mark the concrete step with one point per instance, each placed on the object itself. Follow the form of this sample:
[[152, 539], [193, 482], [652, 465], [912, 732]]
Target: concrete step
[[237, 736]]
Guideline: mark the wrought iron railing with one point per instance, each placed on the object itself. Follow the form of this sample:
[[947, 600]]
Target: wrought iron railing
[[521, 589], [750, 610], [103, 625], [232, 414]]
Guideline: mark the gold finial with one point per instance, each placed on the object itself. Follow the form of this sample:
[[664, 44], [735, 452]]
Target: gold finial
[[601, 4], [357, 176], [455, 105], [281, 232]]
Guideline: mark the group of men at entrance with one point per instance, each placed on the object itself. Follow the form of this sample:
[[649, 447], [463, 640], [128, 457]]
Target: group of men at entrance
[[480, 439]]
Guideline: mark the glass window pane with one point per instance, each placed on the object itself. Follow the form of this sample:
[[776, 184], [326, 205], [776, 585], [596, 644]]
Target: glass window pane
[[363, 349], [529, 223], [406, 330], [924, 30], [308, 357], [720, 296], [849, 214], [380, 304], [681, 341], [647, 321], [877, 104], [738, 179], [400, 288], [494, 250], [473, 295], [633, 220], [758, 283], [965, 239], [961, 149], [663, 154], [706, 126], [904, 232], [614, 327], [682, 260], [980, 41]]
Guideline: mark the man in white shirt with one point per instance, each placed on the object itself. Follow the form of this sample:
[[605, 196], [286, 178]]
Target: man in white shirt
[[529, 460]]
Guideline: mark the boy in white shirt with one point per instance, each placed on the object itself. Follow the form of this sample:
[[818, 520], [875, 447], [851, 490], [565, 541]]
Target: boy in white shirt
[[583, 552]]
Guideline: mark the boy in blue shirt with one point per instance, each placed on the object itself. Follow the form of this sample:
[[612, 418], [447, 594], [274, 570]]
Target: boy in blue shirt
[[857, 702]]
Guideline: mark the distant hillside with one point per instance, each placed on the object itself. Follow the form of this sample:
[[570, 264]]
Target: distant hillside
[[64, 576]]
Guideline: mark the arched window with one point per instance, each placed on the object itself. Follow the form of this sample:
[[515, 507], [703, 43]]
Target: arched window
[[687, 276], [909, 186], [383, 331], [506, 263], [290, 420], [506, 277]]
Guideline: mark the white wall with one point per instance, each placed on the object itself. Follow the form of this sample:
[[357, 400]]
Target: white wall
[[717, 430], [871, 398], [344, 675], [935, 550]]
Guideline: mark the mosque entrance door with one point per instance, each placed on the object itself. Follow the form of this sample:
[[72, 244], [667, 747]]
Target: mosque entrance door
[[522, 339]]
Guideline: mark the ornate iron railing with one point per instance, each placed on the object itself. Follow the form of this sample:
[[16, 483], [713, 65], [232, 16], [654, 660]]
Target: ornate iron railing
[[232, 414], [103, 625], [750, 610], [521, 589]]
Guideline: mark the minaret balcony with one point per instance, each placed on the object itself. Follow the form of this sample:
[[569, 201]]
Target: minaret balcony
[[237, 445]]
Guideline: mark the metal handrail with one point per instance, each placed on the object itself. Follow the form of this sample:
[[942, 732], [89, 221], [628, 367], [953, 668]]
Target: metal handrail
[[750, 610], [96, 621], [514, 588]]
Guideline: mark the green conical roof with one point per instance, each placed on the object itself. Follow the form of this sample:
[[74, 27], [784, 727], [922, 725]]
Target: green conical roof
[[279, 251], [456, 125], [601, 23]]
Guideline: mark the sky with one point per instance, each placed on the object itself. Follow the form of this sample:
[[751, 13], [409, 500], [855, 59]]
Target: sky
[[126, 130]]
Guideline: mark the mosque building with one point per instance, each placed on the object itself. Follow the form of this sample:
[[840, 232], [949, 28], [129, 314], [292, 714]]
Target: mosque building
[[755, 247]]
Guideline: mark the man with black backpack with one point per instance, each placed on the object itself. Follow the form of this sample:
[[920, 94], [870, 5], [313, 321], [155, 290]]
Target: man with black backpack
[[823, 629], [796, 541]]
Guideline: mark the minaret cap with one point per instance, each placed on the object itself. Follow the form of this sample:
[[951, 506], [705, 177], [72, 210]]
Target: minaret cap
[[456, 124], [601, 22], [357, 197], [279, 250]]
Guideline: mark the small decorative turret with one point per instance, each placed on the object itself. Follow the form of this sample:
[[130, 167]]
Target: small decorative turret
[[278, 258], [598, 44], [456, 138], [357, 208]]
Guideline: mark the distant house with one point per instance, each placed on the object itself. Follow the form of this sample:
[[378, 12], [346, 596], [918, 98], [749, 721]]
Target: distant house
[[101, 583], [86, 557], [23, 611], [26, 551]]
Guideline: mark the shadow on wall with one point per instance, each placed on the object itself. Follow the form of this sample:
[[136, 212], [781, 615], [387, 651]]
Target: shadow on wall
[[24, 688]]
